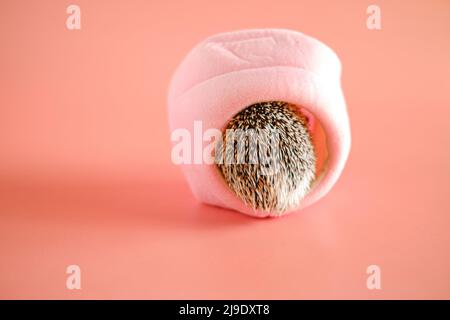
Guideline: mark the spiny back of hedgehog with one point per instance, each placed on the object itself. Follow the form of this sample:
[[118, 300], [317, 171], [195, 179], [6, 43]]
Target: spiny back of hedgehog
[[304, 160]]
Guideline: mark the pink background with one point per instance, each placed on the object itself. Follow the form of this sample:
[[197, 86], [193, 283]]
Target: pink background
[[86, 176]]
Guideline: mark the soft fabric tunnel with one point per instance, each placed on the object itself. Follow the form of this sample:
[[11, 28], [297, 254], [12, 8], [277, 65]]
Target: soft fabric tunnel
[[229, 72]]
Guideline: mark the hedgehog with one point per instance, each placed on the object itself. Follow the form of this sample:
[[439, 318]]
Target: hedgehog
[[272, 165]]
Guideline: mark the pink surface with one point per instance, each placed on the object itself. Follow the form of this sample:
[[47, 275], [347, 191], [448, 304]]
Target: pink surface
[[86, 176], [230, 71]]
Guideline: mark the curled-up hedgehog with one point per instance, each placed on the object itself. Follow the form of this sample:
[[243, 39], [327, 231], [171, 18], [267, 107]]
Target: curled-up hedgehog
[[290, 157], [275, 96]]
